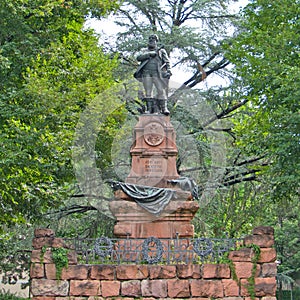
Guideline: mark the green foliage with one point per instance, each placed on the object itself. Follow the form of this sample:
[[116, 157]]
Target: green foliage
[[60, 259], [108, 131], [266, 54], [267, 57], [50, 69], [91, 224], [287, 233], [288, 295], [251, 279], [233, 211], [231, 265], [43, 251]]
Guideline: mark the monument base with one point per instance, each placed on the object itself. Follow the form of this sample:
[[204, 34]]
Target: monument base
[[153, 152], [134, 221]]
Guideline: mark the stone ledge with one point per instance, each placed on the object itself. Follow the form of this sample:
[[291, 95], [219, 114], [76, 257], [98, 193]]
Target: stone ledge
[[242, 255], [269, 270], [263, 230], [43, 232], [244, 269], [263, 241], [189, 271], [154, 288], [231, 288], [37, 270], [40, 242], [110, 288], [79, 272], [103, 272]]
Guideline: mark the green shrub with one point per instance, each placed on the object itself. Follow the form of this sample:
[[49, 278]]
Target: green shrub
[[288, 295]]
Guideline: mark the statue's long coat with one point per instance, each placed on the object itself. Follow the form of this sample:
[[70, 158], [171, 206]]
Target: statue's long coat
[[162, 66]]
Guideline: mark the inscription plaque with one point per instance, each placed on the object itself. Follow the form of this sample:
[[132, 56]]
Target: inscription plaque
[[153, 165]]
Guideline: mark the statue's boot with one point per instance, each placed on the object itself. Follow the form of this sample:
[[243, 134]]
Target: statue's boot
[[156, 106], [149, 105], [164, 108]]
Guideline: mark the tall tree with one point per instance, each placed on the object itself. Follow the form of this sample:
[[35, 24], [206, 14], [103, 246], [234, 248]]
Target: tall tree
[[191, 30], [266, 54], [50, 69]]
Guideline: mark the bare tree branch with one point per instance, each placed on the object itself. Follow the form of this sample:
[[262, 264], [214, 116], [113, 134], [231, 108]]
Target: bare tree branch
[[72, 210], [251, 160], [239, 180], [241, 174], [225, 112]]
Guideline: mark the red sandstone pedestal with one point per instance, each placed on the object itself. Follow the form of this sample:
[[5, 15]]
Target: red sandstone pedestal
[[135, 222], [154, 154]]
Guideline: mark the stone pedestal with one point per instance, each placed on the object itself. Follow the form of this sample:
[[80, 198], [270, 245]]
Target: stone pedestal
[[154, 152], [136, 222]]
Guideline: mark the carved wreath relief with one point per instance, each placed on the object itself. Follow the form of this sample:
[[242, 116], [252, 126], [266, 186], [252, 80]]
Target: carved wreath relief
[[154, 134]]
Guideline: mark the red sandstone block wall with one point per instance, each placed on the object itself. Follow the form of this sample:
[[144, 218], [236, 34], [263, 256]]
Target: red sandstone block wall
[[198, 282]]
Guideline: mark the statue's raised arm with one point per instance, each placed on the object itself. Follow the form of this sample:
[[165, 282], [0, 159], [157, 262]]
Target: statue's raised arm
[[154, 70]]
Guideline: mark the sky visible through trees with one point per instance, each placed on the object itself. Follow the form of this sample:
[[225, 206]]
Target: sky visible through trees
[[108, 29]]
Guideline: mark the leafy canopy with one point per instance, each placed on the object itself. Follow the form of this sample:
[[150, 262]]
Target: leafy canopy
[[266, 54], [50, 69]]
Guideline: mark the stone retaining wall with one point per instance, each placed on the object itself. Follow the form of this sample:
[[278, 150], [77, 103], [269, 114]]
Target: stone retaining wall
[[228, 281]]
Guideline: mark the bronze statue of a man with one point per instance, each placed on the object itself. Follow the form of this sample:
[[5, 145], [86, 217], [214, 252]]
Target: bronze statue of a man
[[154, 70]]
